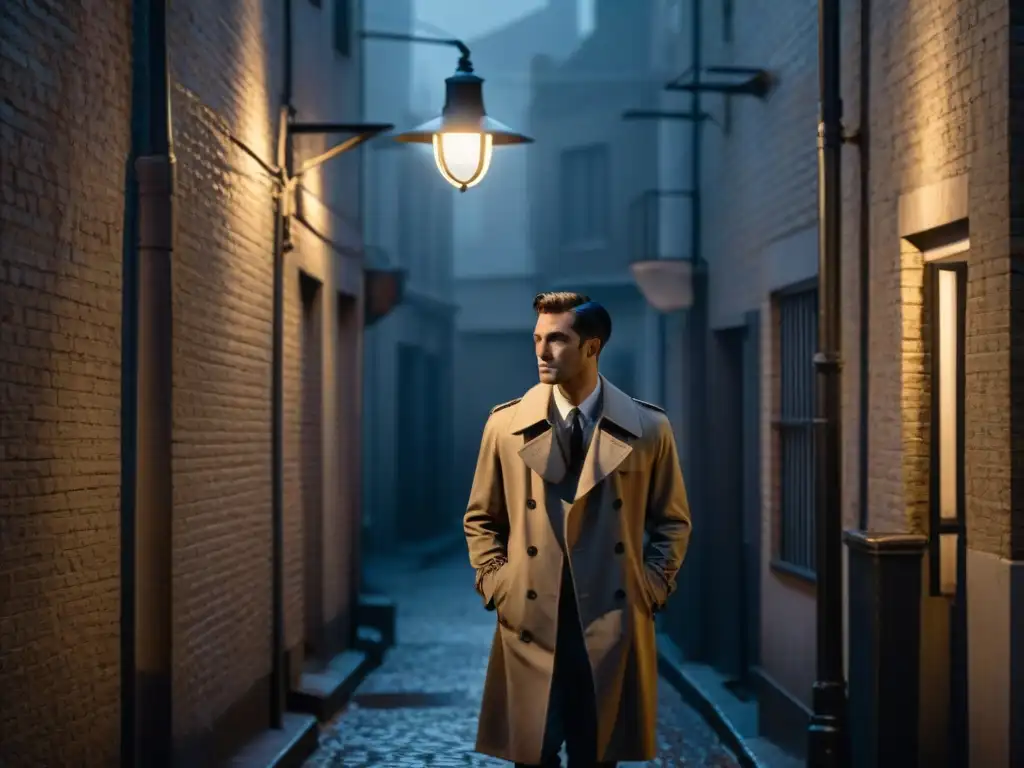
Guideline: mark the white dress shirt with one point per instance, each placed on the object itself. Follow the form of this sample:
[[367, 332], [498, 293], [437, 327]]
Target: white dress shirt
[[588, 412]]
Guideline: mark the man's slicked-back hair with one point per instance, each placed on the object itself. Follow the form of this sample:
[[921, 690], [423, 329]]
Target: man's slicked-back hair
[[591, 320]]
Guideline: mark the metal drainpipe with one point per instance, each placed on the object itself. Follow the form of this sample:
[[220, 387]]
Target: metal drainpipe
[[154, 168], [278, 672], [863, 426], [697, 314], [827, 734]]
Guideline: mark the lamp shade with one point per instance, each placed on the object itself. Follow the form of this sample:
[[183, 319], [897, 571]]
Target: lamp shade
[[464, 136], [667, 284]]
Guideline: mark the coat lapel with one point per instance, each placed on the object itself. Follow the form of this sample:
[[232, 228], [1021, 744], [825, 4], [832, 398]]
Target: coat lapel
[[541, 452], [607, 451]]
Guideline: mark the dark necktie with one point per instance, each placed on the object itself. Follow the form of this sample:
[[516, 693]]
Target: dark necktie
[[576, 441]]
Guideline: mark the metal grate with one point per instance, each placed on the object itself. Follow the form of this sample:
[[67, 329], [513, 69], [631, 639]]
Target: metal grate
[[798, 341]]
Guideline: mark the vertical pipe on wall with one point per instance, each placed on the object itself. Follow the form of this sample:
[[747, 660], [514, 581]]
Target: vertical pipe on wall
[[863, 142], [129, 382], [278, 672], [696, 325], [827, 737], [153, 607]]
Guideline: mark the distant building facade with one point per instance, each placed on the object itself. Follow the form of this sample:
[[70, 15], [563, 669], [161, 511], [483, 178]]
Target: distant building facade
[[409, 354], [928, 295], [68, 454], [495, 264], [586, 169]]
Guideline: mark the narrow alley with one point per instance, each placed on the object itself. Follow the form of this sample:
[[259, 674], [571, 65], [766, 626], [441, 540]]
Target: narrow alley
[[420, 707]]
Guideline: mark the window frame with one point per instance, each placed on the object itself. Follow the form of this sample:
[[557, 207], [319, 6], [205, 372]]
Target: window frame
[[801, 559], [940, 526]]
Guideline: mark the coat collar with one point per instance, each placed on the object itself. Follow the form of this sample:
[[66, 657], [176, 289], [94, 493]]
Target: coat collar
[[606, 451]]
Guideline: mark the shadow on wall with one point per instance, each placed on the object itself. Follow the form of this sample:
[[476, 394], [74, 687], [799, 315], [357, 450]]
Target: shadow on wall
[[490, 368]]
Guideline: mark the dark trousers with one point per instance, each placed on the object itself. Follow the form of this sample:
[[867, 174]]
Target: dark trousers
[[572, 709]]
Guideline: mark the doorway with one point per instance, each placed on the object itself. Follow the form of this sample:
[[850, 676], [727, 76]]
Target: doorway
[[946, 283], [733, 605], [750, 564], [311, 464], [348, 472]]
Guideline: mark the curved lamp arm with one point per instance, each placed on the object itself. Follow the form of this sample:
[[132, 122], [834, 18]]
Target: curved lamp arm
[[465, 65]]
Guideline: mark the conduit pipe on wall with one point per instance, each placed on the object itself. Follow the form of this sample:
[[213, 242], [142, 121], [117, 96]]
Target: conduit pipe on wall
[[828, 745], [864, 236], [147, 507], [278, 672]]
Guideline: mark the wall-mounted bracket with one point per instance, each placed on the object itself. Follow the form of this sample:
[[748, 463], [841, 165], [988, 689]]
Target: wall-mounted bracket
[[362, 132], [654, 114], [737, 81]]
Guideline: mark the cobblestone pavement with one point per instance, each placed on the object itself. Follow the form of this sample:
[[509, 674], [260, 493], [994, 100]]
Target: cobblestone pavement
[[420, 707]]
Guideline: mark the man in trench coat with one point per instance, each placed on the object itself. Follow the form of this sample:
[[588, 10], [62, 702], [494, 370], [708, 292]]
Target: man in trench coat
[[569, 479]]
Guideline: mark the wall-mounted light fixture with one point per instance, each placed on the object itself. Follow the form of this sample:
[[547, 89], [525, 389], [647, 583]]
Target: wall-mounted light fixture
[[464, 135]]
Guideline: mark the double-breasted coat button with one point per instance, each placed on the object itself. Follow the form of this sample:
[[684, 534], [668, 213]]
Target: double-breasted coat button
[[531, 504], [620, 548], [525, 636], [620, 594], [617, 504], [531, 551], [531, 594]]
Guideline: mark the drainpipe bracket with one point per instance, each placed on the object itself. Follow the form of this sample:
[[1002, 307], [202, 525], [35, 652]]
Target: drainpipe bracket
[[828, 362]]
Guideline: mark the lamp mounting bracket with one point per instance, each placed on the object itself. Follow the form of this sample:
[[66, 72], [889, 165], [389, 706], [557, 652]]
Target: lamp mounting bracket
[[360, 133], [465, 65]]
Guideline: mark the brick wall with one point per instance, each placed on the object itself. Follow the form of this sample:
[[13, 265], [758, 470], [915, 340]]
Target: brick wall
[[224, 63], [294, 608], [754, 196], [64, 123], [938, 110], [759, 185]]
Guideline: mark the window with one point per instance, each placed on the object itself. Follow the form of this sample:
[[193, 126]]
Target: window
[[585, 190], [945, 304], [343, 27], [798, 341]]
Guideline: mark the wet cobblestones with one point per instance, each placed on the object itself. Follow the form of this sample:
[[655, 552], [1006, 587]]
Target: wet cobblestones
[[420, 707]]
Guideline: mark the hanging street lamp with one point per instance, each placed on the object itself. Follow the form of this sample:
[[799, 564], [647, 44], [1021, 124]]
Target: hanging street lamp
[[464, 135]]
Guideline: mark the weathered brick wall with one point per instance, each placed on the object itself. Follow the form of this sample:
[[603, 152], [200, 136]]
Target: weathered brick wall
[[294, 608], [64, 140], [327, 239], [759, 184], [760, 175], [225, 62], [939, 101]]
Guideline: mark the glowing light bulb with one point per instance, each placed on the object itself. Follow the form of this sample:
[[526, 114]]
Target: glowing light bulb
[[463, 158]]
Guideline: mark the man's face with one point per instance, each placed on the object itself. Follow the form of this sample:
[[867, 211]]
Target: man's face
[[560, 357]]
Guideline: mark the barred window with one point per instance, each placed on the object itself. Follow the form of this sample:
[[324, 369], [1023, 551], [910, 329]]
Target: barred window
[[798, 341]]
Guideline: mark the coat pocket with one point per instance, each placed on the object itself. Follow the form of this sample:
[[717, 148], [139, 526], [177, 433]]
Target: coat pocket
[[501, 586]]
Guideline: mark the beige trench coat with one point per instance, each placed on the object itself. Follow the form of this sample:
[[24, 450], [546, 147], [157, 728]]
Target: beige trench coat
[[631, 481]]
